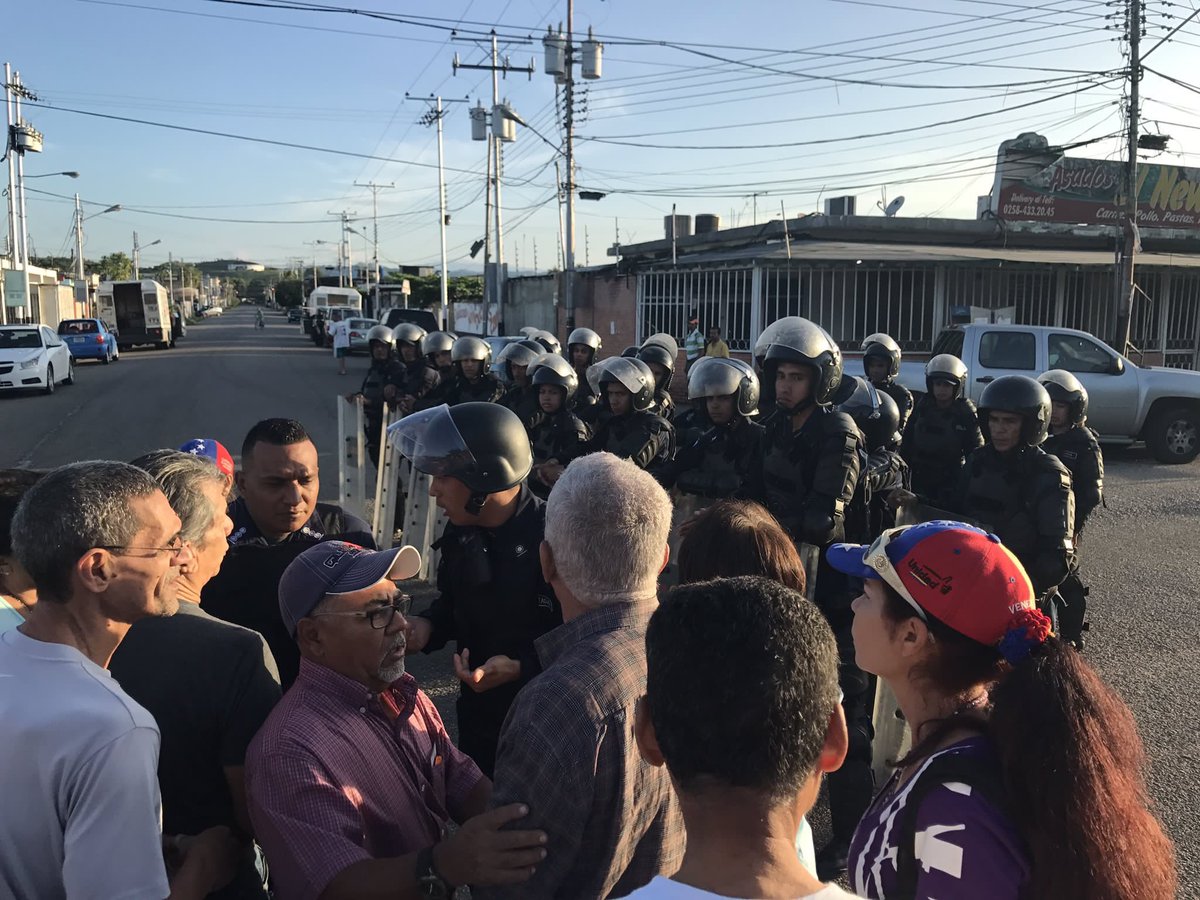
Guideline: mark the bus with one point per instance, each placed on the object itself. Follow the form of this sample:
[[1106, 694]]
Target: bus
[[139, 312]]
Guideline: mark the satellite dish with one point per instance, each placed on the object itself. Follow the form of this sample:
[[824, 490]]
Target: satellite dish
[[894, 207]]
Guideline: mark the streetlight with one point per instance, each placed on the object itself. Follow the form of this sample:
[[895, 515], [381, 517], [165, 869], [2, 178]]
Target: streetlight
[[137, 256], [53, 174], [81, 291]]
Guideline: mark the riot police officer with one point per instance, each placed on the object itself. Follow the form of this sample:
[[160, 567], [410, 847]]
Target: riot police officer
[[659, 352], [512, 369], [630, 430], [471, 358], [881, 365], [558, 435], [884, 470], [435, 348], [720, 461], [1015, 489], [419, 379], [582, 346], [1077, 448], [547, 340], [492, 601], [942, 431], [810, 470], [383, 383]]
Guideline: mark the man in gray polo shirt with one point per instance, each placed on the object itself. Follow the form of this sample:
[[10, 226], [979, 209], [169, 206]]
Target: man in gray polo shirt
[[80, 816]]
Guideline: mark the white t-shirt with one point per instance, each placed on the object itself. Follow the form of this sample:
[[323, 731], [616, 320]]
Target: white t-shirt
[[666, 889], [341, 335], [80, 813]]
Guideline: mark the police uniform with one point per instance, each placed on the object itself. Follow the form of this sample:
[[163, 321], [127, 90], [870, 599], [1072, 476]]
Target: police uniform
[[720, 463], [903, 398], [1079, 450], [643, 438], [381, 375], [936, 443], [561, 436], [493, 601], [586, 404], [246, 589], [524, 402], [485, 389], [419, 378]]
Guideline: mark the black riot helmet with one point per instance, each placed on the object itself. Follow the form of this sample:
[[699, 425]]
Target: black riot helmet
[[721, 377], [662, 350], [633, 374], [409, 333], [381, 334], [948, 369], [483, 445], [520, 353], [797, 340], [873, 411], [548, 341], [471, 348], [438, 342], [550, 368], [586, 337], [630, 352], [1021, 395], [1063, 387], [881, 346]]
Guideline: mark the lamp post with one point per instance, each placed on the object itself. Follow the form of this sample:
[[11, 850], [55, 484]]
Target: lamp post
[[81, 291], [137, 256]]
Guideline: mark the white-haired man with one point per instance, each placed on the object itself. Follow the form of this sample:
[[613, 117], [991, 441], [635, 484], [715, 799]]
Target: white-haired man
[[567, 748]]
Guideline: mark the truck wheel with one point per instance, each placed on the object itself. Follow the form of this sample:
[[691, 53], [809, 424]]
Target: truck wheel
[[1174, 435]]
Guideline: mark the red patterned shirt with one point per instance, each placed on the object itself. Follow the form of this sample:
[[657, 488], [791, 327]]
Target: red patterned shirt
[[339, 774]]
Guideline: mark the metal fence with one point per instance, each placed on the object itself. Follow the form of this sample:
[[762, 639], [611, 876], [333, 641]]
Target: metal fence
[[913, 303]]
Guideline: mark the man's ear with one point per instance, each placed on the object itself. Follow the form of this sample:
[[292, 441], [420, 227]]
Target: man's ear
[[546, 555], [837, 742], [666, 558], [239, 478], [95, 570], [308, 637], [644, 734]]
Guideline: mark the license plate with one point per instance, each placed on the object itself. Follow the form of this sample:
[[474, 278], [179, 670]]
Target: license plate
[[78, 339]]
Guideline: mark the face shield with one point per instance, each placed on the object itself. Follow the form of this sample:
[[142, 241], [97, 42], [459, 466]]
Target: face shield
[[433, 443]]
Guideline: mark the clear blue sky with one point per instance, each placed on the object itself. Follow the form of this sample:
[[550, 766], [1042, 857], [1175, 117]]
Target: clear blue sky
[[338, 81]]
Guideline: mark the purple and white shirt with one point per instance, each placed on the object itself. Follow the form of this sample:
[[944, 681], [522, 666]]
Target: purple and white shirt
[[964, 846]]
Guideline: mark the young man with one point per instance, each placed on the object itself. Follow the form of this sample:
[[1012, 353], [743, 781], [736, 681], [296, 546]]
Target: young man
[[567, 746], [341, 343], [383, 383], [693, 344], [629, 429], [558, 435], [582, 346], [1077, 448], [512, 365], [714, 346], [473, 380], [659, 352], [884, 471], [881, 365], [744, 781], [493, 601]]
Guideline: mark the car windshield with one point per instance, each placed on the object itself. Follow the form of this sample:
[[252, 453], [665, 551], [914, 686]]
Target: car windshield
[[77, 326], [20, 339]]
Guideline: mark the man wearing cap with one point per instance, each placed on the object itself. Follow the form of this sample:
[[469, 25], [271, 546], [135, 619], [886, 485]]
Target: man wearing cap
[[693, 344], [493, 601], [353, 779], [275, 517], [214, 451]]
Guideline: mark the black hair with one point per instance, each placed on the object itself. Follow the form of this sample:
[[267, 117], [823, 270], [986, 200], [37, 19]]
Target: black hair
[[13, 485], [277, 432], [759, 723]]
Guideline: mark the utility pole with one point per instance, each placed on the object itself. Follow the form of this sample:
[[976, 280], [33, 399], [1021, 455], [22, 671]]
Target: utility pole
[[561, 57], [171, 276], [375, 189], [344, 246], [501, 131], [1126, 281], [137, 272], [20, 91], [434, 116], [81, 291]]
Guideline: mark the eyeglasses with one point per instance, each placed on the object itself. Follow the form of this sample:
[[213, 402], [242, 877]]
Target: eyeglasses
[[174, 548], [380, 617]]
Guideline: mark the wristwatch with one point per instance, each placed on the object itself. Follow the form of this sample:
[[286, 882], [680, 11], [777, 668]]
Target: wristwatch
[[429, 882]]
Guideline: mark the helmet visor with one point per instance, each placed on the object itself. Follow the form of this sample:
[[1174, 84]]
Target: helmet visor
[[432, 441]]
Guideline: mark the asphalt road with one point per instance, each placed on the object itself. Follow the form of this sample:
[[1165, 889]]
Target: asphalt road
[[1141, 553]]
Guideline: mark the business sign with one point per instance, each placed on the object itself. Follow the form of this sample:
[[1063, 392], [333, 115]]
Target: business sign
[[1088, 191], [16, 288]]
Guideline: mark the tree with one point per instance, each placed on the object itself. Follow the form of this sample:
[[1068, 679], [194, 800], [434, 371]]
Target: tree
[[256, 290], [289, 293], [115, 267]]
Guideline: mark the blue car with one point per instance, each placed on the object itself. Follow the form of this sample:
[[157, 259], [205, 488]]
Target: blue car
[[89, 339]]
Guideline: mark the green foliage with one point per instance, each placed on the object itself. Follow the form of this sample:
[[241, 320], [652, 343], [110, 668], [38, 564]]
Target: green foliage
[[289, 293], [64, 264], [115, 267], [427, 289]]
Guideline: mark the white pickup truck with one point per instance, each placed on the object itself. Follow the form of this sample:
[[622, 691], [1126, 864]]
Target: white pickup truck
[[1127, 402]]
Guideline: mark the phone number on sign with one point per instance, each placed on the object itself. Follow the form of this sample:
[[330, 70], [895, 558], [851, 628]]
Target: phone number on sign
[[1016, 209]]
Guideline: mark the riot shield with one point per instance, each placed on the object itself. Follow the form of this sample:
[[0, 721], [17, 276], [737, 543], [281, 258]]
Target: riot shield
[[810, 556], [914, 512], [686, 506]]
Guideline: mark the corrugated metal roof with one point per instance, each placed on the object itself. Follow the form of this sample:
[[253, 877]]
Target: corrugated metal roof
[[842, 251]]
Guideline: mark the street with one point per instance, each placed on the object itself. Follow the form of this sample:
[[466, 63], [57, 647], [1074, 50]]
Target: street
[[1140, 554]]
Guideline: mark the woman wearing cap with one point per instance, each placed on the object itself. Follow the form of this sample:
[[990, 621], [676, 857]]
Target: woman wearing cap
[[1024, 780]]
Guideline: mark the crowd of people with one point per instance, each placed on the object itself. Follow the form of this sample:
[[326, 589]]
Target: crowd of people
[[207, 667]]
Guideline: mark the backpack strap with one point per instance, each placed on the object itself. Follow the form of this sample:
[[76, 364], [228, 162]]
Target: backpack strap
[[962, 767]]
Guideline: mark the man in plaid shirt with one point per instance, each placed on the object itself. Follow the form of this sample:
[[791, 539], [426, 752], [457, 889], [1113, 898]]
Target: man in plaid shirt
[[567, 749]]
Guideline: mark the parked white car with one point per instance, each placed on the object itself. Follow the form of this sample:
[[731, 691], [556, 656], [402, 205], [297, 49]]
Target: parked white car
[[33, 357]]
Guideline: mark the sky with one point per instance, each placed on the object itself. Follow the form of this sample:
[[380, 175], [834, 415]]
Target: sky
[[739, 109]]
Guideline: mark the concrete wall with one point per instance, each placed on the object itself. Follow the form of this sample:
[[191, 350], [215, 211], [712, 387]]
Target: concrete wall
[[606, 303], [531, 300]]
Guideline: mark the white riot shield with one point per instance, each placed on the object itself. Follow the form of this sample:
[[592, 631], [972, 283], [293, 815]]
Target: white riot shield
[[353, 464], [810, 556], [388, 493], [892, 737], [686, 506]]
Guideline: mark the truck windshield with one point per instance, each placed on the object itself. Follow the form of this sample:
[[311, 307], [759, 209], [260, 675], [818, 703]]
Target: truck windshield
[[20, 339], [949, 341]]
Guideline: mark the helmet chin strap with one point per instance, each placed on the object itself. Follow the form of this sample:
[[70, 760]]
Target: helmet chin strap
[[475, 503], [799, 407]]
